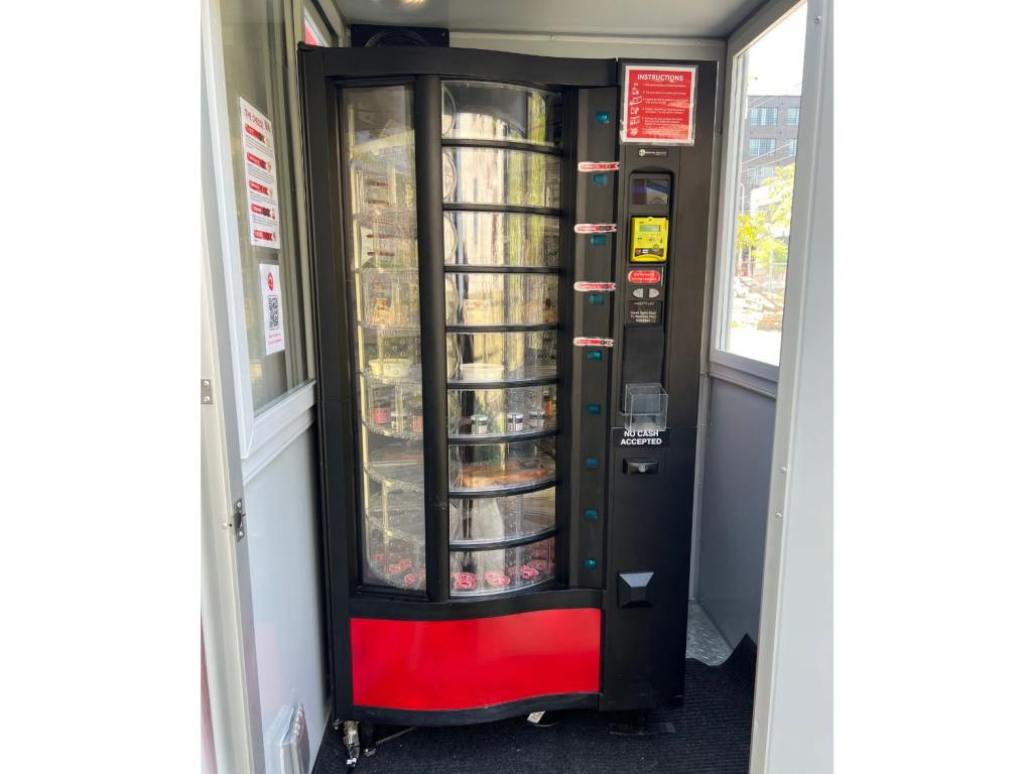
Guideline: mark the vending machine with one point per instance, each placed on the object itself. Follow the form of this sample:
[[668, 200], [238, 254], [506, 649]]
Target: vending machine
[[509, 276]]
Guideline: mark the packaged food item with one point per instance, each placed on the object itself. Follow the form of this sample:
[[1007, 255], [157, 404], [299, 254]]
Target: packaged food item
[[479, 424], [400, 567], [540, 565], [496, 579], [463, 581], [524, 572], [482, 372]]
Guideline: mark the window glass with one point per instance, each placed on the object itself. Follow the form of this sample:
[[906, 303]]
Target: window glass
[[770, 73], [315, 31], [254, 71]]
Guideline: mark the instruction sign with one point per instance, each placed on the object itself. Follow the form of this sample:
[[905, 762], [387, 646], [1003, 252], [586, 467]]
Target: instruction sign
[[659, 104], [643, 312], [273, 321], [260, 177], [622, 437]]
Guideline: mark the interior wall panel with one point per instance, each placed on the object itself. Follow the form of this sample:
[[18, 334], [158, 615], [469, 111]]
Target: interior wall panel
[[737, 467], [284, 548]]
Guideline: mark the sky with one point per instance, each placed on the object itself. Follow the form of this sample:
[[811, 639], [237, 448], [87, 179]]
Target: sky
[[776, 60]]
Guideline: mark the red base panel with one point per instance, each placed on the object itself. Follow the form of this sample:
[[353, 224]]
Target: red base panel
[[476, 662]]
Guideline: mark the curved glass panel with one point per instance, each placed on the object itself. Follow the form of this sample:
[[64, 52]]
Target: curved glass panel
[[501, 239], [474, 110], [501, 411], [390, 298], [501, 357], [501, 299], [392, 407], [501, 570], [502, 177], [380, 158], [498, 466], [393, 527], [497, 518]]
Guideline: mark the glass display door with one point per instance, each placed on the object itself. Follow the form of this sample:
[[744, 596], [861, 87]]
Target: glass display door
[[501, 165], [384, 286], [501, 175]]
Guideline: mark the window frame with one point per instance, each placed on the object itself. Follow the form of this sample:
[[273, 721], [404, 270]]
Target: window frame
[[321, 22], [722, 362], [265, 432]]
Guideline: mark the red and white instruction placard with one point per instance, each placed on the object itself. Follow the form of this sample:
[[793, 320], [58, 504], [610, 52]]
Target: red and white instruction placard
[[597, 166], [659, 104], [595, 228], [592, 341], [594, 287], [260, 177], [273, 320]]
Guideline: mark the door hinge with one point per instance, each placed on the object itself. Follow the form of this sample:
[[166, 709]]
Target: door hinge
[[237, 522], [205, 391]]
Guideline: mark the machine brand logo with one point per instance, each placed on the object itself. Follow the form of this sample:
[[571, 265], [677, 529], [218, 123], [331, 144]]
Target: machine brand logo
[[651, 152]]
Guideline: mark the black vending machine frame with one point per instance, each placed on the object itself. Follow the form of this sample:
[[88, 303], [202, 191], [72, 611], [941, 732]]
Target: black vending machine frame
[[626, 680]]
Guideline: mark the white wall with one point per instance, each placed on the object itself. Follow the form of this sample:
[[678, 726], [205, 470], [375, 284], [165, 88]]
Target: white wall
[[793, 702], [284, 553]]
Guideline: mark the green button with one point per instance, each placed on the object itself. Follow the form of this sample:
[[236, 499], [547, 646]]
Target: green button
[[598, 239], [591, 463], [590, 513], [590, 564], [602, 117], [595, 298], [595, 354], [594, 408], [601, 179]]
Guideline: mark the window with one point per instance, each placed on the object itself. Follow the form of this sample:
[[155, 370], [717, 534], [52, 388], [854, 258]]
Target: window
[[315, 29], [764, 116], [758, 204], [760, 146]]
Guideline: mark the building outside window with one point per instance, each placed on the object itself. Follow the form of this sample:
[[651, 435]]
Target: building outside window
[[757, 246], [764, 116], [761, 146]]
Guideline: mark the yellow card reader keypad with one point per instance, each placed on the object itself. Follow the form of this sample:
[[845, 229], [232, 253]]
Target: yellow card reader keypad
[[649, 240]]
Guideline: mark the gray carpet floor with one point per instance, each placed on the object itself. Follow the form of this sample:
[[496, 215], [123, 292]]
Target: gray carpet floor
[[708, 734]]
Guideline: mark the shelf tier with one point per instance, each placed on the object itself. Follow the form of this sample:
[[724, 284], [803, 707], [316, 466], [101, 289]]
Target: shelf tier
[[387, 381], [376, 430], [405, 477]]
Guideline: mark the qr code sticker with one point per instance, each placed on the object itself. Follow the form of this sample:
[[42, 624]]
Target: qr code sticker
[[273, 312]]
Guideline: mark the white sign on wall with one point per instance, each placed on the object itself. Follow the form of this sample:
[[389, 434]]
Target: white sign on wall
[[260, 177], [273, 312]]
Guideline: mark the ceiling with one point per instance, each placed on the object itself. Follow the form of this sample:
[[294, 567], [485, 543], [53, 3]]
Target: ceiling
[[649, 18]]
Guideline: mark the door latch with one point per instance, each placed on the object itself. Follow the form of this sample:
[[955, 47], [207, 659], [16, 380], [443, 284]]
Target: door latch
[[237, 517], [205, 391]]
